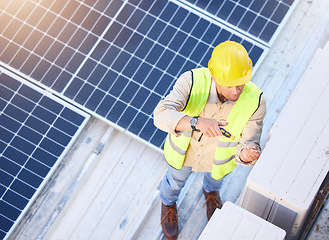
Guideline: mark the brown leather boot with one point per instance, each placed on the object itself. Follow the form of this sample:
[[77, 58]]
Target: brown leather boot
[[213, 201], [169, 221]]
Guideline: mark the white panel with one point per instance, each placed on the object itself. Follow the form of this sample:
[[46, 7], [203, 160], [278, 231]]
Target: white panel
[[234, 223]]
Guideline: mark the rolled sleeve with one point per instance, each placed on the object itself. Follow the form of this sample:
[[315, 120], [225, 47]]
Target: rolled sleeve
[[167, 113], [252, 131]]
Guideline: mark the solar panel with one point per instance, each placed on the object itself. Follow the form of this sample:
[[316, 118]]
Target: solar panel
[[259, 18], [35, 131], [116, 59]]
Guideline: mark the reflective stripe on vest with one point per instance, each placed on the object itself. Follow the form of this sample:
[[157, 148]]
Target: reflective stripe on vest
[[199, 93], [224, 160]]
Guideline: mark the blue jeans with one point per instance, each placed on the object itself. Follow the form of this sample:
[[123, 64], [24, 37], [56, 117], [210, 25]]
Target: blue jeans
[[174, 180]]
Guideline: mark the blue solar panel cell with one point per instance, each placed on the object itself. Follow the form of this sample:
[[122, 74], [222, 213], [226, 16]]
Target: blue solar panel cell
[[75, 62], [9, 169], [5, 178], [137, 125], [154, 54], [15, 155], [15, 200], [165, 59], [146, 24], [30, 178], [51, 147], [152, 78], [113, 8], [139, 98], [245, 3], [40, 70], [105, 106], [146, 4], [110, 55], [168, 12], [9, 123], [37, 167], [247, 21], [133, 42], [97, 75], [190, 22], [5, 135], [226, 10], [257, 5], [94, 100], [255, 53], [123, 37], [118, 86], [127, 117], [132, 67], [121, 61], [36, 124], [269, 8], [90, 20], [19, 59], [130, 91], [9, 211], [289, 2], [178, 19], [151, 103], [61, 81], [143, 49], [236, 15], [80, 14], [188, 46], [258, 25], [268, 31], [150, 129], [30, 135], [199, 52], [84, 93], [125, 13], [22, 145], [116, 111], [157, 138], [156, 30], [22, 189], [44, 157], [279, 13], [7, 55], [163, 84], [157, 7], [108, 80]]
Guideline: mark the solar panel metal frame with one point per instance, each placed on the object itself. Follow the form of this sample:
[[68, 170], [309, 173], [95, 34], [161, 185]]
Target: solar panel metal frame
[[65, 151]]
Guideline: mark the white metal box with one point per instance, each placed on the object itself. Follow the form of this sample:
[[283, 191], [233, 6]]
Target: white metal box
[[235, 223], [283, 184]]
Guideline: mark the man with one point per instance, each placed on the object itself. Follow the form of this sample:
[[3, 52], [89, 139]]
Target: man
[[202, 102]]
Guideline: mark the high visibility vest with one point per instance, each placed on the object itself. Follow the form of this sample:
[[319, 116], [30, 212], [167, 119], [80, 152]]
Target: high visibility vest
[[224, 160]]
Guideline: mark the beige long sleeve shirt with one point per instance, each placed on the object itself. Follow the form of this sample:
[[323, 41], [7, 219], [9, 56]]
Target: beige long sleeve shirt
[[201, 151]]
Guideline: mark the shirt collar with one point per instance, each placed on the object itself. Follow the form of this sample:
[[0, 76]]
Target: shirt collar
[[213, 97]]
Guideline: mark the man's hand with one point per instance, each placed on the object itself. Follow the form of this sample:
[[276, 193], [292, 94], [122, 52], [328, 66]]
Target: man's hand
[[210, 127], [248, 154]]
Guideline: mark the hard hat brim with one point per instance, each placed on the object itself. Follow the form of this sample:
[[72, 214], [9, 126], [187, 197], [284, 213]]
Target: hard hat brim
[[233, 82]]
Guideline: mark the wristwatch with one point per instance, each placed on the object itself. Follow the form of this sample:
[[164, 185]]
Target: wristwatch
[[193, 122]]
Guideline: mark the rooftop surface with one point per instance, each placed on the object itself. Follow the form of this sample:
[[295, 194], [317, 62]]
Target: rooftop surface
[[107, 185]]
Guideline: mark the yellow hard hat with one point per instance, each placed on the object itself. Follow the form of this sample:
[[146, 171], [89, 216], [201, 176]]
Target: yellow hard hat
[[230, 64]]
